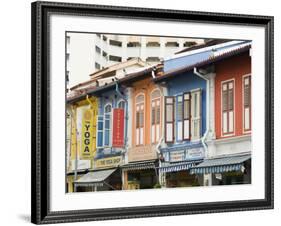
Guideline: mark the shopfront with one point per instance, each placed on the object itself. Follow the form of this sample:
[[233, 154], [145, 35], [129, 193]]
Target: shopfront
[[226, 170], [175, 165], [140, 175]]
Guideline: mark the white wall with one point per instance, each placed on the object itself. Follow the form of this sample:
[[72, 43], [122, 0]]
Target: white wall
[[15, 112]]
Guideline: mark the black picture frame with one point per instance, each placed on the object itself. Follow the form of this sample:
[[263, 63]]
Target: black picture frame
[[40, 208]]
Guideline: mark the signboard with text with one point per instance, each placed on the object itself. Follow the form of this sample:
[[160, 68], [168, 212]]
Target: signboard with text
[[108, 162], [87, 134], [118, 128], [185, 154]]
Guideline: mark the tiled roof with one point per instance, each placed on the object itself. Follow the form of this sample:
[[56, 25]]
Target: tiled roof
[[210, 60]]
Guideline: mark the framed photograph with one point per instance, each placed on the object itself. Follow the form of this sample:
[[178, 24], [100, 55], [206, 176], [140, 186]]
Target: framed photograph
[[141, 112]]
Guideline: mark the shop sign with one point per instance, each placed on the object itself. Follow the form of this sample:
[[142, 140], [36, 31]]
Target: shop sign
[[177, 156], [141, 153], [87, 134], [185, 154], [195, 153], [118, 128], [108, 162]]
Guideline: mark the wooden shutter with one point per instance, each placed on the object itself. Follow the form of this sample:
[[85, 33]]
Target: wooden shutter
[[186, 116], [196, 114], [179, 118], [169, 119], [247, 103], [228, 107]]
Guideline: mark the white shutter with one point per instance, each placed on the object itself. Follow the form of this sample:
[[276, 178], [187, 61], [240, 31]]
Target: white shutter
[[186, 116], [196, 115]]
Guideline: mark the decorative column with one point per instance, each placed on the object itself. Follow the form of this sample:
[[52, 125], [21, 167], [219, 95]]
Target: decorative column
[[211, 135]]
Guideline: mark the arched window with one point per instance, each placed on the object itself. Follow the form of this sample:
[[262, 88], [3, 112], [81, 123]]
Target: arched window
[[140, 119], [155, 115], [107, 124], [121, 104]]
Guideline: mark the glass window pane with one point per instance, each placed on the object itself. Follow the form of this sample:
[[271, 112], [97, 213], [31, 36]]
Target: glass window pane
[[169, 113]]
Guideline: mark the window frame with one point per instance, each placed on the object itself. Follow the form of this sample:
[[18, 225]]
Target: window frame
[[155, 99], [189, 118], [177, 119], [136, 120], [110, 125], [246, 131], [223, 134], [173, 118]]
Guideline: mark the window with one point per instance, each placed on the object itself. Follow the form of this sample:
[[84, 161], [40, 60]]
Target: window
[[155, 116], [100, 131], [121, 104], [196, 114], [133, 44], [187, 122], [98, 50], [228, 107], [189, 44], [179, 117], [152, 44], [140, 119], [115, 58], [247, 103], [97, 66], [169, 119], [172, 44], [152, 59], [107, 124], [104, 54], [115, 43], [186, 116], [104, 38]]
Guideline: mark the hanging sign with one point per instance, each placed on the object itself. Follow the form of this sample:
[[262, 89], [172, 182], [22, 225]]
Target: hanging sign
[[87, 134], [118, 128]]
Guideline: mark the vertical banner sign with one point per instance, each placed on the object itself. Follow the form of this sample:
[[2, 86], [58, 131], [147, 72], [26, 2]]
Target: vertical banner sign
[[87, 134], [118, 127]]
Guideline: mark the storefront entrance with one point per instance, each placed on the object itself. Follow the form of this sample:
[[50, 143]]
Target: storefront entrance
[[142, 179], [182, 179]]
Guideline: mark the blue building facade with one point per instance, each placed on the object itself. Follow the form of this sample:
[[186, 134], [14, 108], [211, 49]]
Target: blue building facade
[[185, 124], [108, 101]]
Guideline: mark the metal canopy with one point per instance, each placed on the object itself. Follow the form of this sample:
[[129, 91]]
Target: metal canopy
[[96, 177], [139, 165], [220, 165], [175, 167]]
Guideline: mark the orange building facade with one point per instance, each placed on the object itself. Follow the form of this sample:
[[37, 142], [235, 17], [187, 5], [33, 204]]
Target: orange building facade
[[146, 134]]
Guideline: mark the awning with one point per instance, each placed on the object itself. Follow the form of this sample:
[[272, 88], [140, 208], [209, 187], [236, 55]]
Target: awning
[[220, 165], [175, 167], [95, 178], [139, 165]]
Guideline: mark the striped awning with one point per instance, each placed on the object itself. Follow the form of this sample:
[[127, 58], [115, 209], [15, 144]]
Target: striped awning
[[139, 165], [94, 178], [175, 167], [220, 165]]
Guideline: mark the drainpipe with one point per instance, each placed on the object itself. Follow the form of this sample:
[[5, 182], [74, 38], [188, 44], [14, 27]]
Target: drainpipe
[[195, 71]]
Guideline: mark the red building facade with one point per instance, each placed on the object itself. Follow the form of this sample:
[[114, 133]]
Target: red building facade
[[233, 96]]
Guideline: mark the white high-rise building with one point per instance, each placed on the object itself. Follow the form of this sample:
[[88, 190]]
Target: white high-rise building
[[87, 53]]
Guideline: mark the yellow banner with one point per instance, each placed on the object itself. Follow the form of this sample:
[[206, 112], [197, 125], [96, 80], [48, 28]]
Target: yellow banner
[[87, 134]]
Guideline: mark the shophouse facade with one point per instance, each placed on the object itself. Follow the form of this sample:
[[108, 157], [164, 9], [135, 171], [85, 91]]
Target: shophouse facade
[[228, 159], [141, 169]]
